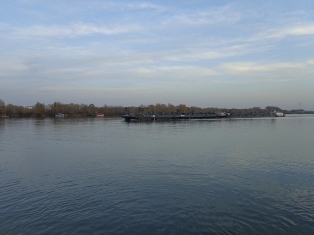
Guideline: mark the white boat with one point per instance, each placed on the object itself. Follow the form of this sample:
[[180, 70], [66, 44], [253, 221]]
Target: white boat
[[59, 115], [277, 114]]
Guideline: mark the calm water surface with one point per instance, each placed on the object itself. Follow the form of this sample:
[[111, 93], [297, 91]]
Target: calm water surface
[[107, 176]]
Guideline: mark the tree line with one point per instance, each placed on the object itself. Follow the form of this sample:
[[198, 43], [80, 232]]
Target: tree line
[[42, 110], [85, 110]]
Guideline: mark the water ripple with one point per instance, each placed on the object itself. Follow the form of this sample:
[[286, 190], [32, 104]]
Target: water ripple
[[192, 177]]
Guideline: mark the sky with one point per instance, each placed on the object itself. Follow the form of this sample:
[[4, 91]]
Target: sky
[[213, 53]]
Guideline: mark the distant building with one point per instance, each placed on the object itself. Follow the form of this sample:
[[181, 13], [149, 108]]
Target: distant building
[[257, 108], [29, 107]]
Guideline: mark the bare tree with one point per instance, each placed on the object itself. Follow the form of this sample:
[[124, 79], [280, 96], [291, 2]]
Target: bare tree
[[2, 107], [2, 104]]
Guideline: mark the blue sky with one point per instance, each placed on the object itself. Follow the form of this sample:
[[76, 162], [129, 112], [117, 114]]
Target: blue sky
[[203, 53]]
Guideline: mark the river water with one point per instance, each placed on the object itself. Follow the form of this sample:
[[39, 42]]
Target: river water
[[107, 176]]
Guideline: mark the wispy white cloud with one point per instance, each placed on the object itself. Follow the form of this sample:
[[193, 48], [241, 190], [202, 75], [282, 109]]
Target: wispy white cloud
[[261, 73], [3, 26], [173, 74], [118, 5], [73, 30], [286, 31], [82, 7], [210, 16], [87, 90], [239, 67], [9, 65]]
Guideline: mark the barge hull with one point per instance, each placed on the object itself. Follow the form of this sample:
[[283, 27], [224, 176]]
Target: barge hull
[[172, 117]]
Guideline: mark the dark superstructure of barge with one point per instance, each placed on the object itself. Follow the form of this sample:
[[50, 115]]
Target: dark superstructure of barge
[[173, 116]]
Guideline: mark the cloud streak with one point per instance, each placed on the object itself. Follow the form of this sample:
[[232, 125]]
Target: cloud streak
[[120, 6], [282, 33], [203, 17], [73, 30], [254, 67]]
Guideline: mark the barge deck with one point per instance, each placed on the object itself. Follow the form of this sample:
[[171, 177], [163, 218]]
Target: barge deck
[[173, 116]]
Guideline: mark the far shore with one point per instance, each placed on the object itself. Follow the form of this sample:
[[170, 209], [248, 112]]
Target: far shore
[[68, 116], [58, 109]]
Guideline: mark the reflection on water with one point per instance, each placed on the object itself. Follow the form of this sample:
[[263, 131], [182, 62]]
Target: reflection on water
[[250, 176]]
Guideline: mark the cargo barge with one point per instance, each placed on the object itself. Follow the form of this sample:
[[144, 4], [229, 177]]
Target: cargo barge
[[173, 116]]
